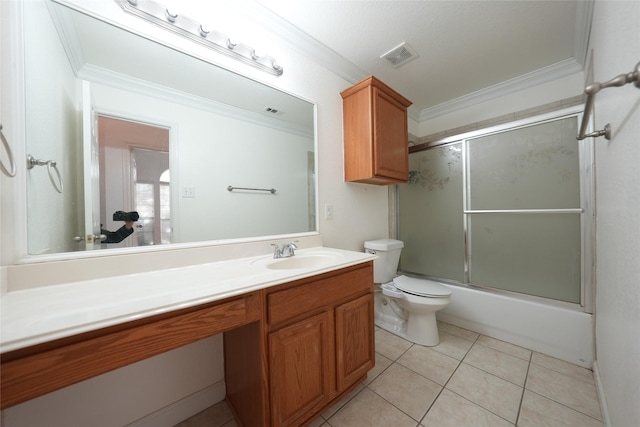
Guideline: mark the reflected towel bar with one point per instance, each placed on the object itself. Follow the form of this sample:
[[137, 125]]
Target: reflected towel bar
[[591, 91], [270, 190], [523, 211]]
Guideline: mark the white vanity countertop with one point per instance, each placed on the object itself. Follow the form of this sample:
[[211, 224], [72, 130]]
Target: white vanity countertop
[[34, 316]]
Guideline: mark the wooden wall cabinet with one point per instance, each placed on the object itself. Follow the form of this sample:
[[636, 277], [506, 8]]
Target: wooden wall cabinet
[[321, 342], [376, 137]]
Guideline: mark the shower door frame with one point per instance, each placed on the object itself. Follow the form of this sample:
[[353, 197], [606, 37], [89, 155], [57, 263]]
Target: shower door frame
[[586, 210]]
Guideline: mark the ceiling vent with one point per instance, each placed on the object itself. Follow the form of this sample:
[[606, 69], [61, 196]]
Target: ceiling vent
[[400, 55], [273, 111]]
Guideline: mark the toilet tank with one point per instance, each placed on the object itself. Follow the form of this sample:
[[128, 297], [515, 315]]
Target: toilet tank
[[388, 251]]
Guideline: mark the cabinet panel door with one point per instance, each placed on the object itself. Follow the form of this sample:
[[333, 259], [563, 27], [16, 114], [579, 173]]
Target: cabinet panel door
[[299, 362], [391, 138], [355, 351]]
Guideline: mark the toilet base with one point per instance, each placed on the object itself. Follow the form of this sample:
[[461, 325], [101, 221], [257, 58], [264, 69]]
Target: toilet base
[[392, 324], [422, 329], [410, 317], [400, 331]]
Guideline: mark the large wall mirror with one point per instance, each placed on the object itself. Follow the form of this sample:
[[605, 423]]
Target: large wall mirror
[[118, 122]]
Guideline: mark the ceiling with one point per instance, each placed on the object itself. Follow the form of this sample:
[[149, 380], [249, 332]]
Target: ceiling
[[467, 51]]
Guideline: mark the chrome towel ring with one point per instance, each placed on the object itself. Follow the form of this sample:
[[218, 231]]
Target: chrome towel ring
[[51, 168], [11, 172]]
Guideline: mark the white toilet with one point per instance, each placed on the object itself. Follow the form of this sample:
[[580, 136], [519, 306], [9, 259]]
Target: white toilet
[[405, 306]]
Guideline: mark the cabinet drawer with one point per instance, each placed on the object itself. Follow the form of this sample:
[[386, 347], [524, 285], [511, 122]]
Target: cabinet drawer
[[292, 302]]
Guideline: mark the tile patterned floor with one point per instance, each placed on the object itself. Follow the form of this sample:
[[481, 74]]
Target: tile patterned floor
[[467, 380]]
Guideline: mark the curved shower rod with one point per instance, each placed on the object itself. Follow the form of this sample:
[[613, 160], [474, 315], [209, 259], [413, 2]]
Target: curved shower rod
[[592, 89]]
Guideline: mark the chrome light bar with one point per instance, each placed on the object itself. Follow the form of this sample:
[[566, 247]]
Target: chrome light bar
[[161, 16]]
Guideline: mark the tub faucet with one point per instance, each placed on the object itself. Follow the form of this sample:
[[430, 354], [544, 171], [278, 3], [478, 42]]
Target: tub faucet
[[287, 250]]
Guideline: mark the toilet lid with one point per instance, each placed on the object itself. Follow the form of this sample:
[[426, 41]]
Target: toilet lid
[[421, 287]]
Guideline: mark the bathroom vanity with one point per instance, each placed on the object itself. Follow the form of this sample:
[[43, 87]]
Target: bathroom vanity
[[298, 332]]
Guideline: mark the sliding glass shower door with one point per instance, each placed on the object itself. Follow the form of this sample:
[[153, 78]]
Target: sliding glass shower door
[[431, 214], [501, 210]]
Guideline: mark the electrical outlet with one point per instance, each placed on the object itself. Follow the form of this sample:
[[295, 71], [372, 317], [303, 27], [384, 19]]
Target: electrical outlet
[[328, 211], [189, 192]]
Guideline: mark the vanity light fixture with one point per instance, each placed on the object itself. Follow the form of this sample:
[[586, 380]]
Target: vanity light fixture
[[161, 16]]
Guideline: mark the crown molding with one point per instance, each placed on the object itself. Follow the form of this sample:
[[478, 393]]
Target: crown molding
[[127, 83], [584, 16], [66, 29], [305, 45], [543, 75]]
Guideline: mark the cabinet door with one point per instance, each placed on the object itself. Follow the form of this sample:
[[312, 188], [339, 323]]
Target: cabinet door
[[300, 357], [355, 351], [391, 139]]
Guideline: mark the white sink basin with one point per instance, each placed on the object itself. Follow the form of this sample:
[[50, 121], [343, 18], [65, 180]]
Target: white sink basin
[[301, 261]]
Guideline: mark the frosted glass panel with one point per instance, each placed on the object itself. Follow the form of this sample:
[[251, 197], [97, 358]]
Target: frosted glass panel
[[527, 253], [530, 168], [431, 214]]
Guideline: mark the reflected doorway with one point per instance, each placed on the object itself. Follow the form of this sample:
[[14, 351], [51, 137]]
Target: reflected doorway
[[152, 196], [134, 176]]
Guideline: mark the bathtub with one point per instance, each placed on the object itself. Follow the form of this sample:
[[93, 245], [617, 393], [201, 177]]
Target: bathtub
[[554, 329]]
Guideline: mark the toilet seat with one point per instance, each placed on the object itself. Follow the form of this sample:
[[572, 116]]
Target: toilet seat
[[421, 287]]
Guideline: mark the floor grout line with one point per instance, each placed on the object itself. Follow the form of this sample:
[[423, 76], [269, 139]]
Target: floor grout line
[[524, 388], [457, 349]]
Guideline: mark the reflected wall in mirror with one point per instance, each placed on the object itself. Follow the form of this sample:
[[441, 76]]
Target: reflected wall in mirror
[[101, 100]]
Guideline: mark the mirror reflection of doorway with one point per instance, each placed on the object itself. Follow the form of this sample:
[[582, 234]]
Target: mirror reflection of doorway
[[152, 196], [134, 175]]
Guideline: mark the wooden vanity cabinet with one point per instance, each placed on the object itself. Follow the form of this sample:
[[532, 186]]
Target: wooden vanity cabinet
[[320, 341], [291, 350], [376, 137]]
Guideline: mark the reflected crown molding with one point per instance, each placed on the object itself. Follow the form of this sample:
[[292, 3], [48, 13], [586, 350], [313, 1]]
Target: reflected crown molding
[[106, 77], [65, 26]]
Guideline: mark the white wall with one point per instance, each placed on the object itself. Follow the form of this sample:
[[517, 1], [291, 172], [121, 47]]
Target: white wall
[[52, 115], [615, 41]]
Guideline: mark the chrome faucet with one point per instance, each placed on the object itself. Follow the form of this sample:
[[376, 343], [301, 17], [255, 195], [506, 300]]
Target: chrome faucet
[[287, 250]]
